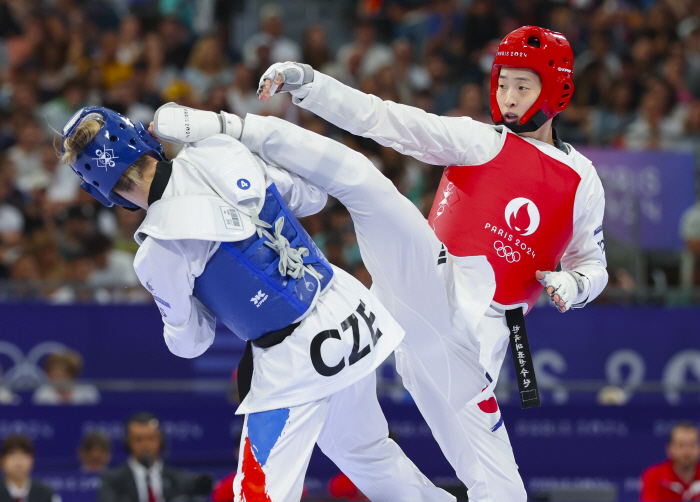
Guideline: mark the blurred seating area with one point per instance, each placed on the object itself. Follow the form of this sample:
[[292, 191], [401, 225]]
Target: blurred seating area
[[637, 77]]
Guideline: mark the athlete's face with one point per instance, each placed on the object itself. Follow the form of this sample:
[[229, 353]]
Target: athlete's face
[[518, 89]]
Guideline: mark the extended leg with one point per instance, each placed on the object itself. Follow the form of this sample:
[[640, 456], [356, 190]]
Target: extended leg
[[398, 246], [356, 437], [472, 436]]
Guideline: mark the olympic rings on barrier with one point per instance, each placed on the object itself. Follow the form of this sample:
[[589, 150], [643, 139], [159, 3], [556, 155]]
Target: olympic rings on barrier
[[506, 252]]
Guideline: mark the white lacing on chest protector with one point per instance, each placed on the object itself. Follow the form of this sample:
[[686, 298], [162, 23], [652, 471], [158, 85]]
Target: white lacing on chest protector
[[291, 260]]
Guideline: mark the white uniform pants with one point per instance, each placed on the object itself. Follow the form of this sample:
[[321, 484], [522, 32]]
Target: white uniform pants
[[437, 360], [439, 367], [350, 429]]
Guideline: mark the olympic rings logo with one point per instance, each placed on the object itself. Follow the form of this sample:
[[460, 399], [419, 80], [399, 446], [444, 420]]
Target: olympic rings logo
[[506, 252]]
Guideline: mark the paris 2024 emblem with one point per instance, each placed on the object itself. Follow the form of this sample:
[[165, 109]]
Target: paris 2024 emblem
[[523, 219]]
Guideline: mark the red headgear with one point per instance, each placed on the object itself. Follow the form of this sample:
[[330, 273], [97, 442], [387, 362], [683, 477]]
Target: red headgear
[[549, 55]]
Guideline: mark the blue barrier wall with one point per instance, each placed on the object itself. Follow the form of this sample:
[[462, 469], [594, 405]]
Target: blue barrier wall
[[569, 440]]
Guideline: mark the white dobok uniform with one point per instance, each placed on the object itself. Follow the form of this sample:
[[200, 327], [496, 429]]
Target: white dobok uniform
[[456, 335], [290, 405]]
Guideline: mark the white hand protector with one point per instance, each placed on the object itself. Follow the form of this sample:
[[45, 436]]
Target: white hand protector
[[179, 124], [566, 288], [293, 77]]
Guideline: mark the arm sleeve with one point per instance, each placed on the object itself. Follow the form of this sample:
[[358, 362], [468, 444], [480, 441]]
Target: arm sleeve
[[586, 252], [302, 197], [168, 270], [427, 137]]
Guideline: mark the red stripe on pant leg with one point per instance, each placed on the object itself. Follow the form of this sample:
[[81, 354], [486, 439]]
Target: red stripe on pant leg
[[488, 406], [253, 485]]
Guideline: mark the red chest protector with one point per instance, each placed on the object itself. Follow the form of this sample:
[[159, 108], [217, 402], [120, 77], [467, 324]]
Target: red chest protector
[[516, 209]]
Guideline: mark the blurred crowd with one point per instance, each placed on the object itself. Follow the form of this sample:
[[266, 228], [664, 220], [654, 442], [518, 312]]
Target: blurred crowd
[[637, 77]]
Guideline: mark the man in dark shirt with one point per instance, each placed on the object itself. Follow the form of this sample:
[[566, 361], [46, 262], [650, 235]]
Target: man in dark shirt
[[678, 477], [144, 477]]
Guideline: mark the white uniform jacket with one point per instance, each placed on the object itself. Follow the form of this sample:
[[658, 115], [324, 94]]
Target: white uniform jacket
[[462, 141], [168, 264]]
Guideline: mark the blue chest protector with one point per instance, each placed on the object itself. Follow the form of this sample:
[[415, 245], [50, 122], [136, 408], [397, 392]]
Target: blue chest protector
[[242, 284]]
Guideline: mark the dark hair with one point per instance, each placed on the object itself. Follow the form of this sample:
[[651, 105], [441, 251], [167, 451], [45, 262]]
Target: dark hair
[[683, 424], [143, 417], [15, 443], [95, 439], [97, 244]]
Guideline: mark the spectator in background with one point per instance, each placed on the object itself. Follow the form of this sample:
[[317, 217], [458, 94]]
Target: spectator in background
[[269, 45], [678, 477], [363, 56], [62, 189], [471, 103], [156, 72], [6, 394], [57, 111], [113, 71], [410, 76], [113, 268], [607, 123], [659, 125], [43, 247], [62, 370], [26, 154], [144, 477], [481, 27], [94, 452], [11, 218], [445, 26], [73, 232], [690, 233], [177, 42], [130, 43], [17, 461], [688, 32], [442, 90], [599, 51], [127, 224], [207, 67], [55, 71], [124, 97], [315, 50]]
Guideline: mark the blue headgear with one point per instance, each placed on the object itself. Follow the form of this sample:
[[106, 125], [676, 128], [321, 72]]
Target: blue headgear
[[105, 158]]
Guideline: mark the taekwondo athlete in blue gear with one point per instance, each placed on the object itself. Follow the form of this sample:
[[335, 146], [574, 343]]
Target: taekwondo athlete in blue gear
[[221, 239], [257, 264]]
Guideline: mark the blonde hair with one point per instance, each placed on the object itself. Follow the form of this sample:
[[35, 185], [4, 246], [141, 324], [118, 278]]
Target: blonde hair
[[71, 361], [199, 52], [82, 135], [86, 130]]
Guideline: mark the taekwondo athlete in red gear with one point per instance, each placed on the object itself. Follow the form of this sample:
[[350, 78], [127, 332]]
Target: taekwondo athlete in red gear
[[514, 202], [221, 240]]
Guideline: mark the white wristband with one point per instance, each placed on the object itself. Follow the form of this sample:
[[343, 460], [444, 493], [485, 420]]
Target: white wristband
[[231, 125]]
